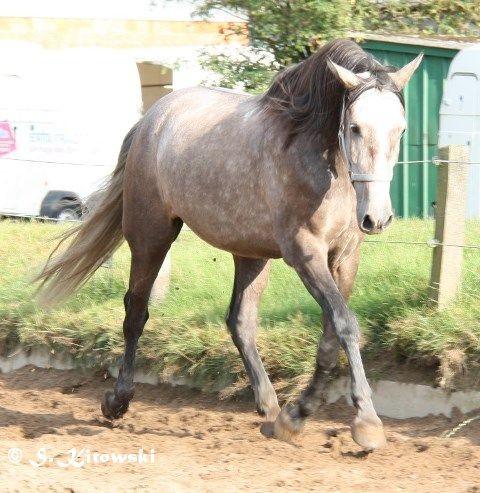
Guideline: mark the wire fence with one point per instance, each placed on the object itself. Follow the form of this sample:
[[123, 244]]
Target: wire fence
[[438, 162], [430, 242]]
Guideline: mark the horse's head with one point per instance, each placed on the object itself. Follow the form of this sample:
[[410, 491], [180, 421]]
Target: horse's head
[[372, 123]]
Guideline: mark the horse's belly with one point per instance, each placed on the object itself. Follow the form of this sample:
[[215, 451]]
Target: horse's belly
[[248, 233]]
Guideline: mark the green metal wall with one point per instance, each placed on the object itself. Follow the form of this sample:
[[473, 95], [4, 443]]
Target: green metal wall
[[414, 185]]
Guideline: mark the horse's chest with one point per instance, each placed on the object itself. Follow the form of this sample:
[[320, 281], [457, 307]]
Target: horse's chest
[[332, 214]]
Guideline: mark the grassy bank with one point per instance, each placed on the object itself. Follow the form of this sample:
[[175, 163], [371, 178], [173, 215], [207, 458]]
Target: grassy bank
[[186, 333]]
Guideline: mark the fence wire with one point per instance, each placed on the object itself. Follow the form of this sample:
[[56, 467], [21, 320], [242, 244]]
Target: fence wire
[[431, 243], [438, 162]]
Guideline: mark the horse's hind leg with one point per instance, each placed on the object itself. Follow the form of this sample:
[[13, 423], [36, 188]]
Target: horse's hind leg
[[147, 258], [251, 277]]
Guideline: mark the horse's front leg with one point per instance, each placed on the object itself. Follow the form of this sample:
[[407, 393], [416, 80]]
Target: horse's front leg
[[310, 260]]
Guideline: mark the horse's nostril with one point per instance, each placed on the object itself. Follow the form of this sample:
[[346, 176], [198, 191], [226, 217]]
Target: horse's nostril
[[368, 224], [387, 224]]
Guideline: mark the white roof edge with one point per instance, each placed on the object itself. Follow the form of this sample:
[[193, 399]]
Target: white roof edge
[[415, 40]]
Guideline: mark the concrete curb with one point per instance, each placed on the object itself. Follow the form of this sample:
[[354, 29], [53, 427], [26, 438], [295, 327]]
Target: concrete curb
[[391, 399]]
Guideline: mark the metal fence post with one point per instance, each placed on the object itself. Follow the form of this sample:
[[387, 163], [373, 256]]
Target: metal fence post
[[446, 272]]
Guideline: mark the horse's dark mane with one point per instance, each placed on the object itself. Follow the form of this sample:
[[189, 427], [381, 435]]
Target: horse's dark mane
[[307, 98]]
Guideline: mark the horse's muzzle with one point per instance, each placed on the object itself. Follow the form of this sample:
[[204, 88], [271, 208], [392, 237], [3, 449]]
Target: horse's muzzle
[[372, 226]]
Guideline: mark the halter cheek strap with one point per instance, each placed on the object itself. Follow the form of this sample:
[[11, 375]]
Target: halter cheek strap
[[355, 177]]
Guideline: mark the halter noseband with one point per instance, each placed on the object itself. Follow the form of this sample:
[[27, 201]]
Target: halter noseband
[[362, 177]]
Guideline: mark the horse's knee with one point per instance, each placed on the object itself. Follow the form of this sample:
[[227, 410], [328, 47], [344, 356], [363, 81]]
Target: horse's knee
[[346, 327]]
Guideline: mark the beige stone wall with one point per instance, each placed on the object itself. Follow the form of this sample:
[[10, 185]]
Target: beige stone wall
[[117, 33]]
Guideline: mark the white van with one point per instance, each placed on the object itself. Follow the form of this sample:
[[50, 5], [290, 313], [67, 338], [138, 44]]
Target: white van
[[63, 116]]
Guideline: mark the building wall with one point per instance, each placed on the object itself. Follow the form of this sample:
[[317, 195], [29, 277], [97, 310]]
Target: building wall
[[118, 33]]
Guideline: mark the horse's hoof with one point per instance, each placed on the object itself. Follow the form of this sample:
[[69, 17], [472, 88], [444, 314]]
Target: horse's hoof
[[111, 408], [368, 434], [270, 413], [287, 429], [266, 429]]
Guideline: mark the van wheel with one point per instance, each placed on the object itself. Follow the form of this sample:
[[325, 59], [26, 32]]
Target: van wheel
[[67, 213]]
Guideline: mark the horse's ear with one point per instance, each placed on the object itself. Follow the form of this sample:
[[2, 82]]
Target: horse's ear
[[346, 77], [403, 75]]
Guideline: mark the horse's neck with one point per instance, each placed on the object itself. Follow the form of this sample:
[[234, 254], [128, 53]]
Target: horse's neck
[[339, 167]]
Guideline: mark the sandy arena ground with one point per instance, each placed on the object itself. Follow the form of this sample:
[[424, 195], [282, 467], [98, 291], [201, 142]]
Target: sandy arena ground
[[203, 444]]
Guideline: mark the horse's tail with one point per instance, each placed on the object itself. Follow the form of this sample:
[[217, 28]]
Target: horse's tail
[[94, 241]]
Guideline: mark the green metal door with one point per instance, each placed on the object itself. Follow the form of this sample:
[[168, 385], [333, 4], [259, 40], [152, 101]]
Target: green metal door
[[414, 185]]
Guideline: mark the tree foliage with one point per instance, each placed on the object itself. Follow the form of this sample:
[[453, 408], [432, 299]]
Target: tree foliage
[[248, 69], [291, 30], [456, 18]]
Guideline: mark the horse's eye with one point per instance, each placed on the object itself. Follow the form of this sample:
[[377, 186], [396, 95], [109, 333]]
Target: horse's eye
[[355, 129]]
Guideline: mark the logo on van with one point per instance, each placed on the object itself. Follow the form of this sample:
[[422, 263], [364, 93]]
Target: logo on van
[[7, 139]]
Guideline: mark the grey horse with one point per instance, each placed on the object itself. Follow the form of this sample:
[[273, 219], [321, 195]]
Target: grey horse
[[301, 172]]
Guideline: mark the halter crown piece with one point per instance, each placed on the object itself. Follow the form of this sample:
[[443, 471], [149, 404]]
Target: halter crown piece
[[363, 177]]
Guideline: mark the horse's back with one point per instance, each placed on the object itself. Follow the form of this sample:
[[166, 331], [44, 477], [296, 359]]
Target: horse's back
[[204, 106]]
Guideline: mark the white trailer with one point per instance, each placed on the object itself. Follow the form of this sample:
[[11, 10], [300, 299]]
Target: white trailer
[[460, 116], [63, 116]]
